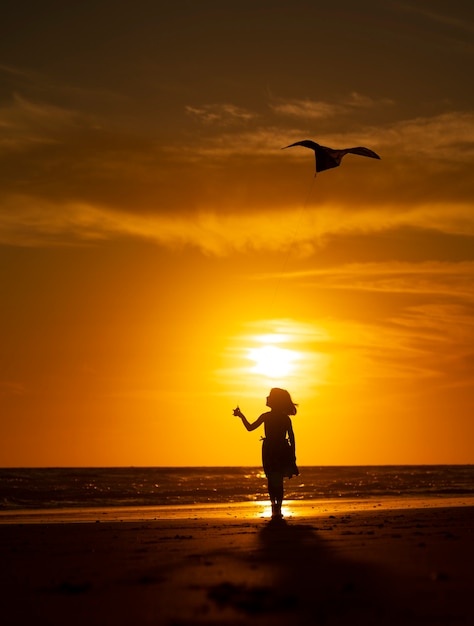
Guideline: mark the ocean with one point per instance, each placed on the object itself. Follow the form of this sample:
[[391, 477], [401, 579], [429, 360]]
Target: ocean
[[61, 488]]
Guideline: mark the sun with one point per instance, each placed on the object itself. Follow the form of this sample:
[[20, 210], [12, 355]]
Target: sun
[[278, 353], [272, 361]]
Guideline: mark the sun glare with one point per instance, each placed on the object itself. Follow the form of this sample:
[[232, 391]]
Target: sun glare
[[272, 361], [286, 510], [286, 354]]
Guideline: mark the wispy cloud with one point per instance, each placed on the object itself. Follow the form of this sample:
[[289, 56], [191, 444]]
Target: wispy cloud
[[222, 114], [446, 137], [29, 220], [308, 109], [426, 342], [419, 324], [67, 174], [446, 19], [24, 123], [430, 278], [443, 336], [426, 345]]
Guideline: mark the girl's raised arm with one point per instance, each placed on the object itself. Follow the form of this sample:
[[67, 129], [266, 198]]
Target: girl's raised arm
[[249, 426]]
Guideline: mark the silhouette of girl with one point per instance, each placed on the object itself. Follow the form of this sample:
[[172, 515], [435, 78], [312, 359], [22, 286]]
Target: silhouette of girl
[[278, 452]]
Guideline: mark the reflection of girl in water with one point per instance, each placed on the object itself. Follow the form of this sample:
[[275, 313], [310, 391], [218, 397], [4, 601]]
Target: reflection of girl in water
[[278, 452]]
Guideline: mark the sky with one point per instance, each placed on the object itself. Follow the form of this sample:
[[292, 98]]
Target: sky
[[162, 260]]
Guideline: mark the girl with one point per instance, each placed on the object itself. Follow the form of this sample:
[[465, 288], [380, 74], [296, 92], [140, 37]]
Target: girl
[[278, 452]]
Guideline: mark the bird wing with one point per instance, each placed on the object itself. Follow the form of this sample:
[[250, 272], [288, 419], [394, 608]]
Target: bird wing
[[326, 158], [307, 143], [362, 152]]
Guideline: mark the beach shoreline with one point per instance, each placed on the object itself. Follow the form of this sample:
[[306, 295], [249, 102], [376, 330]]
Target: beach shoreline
[[251, 509], [380, 561]]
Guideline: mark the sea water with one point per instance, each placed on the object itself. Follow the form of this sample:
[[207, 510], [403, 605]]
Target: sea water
[[60, 488]]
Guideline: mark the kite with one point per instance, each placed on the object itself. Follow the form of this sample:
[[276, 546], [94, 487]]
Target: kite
[[328, 157]]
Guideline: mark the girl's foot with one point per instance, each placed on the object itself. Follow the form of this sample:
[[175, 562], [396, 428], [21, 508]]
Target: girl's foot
[[276, 512]]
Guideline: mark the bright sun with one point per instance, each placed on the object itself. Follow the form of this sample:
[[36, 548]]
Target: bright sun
[[272, 361]]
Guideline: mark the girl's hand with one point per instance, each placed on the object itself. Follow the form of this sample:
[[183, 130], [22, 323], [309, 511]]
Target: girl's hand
[[237, 412]]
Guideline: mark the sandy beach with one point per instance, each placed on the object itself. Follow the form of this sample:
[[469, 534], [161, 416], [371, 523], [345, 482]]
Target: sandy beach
[[384, 562]]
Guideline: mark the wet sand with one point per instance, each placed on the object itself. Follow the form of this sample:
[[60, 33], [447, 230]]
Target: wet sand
[[370, 562]]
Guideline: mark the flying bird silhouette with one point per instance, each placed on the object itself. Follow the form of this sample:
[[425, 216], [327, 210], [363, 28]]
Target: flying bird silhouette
[[329, 157]]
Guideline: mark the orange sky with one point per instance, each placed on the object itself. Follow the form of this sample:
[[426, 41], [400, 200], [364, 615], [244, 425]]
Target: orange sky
[[156, 243]]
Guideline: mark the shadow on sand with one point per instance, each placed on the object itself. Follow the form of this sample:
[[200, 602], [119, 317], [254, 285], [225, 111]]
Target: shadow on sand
[[314, 585]]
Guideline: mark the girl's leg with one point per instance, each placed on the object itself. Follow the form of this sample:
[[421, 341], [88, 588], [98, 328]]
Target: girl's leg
[[271, 490], [275, 490], [279, 498]]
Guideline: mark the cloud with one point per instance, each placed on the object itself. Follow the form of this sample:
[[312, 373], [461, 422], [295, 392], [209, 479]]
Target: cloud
[[422, 347], [443, 336], [223, 114], [307, 109], [463, 26], [256, 142], [30, 222], [431, 278], [407, 321], [67, 174], [446, 138], [27, 220], [25, 124], [427, 342]]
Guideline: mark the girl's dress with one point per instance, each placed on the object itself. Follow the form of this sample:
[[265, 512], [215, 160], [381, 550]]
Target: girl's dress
[[277, 454]]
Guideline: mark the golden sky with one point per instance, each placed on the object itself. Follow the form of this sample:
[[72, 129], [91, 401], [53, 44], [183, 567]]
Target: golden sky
[[163, 260]]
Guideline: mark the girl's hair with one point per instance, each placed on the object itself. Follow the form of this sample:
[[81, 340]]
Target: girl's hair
[[280, 400]]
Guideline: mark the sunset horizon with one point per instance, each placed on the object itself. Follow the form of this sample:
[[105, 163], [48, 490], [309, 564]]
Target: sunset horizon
[[163, 260]]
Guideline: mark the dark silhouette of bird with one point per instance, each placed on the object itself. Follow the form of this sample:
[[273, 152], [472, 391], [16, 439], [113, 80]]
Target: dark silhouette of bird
[[326, 158]]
